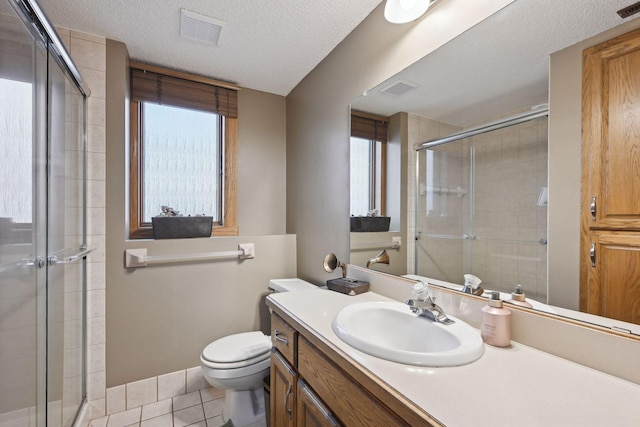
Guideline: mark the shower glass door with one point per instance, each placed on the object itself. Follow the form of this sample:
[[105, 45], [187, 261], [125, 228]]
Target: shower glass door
[[482, 209], [23, 133], [65, 247], [42, 231]]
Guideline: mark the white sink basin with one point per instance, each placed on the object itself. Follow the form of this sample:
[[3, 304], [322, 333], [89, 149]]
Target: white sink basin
[[389, 330]]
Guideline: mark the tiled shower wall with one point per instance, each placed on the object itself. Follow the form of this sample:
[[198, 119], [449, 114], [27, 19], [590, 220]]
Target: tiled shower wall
[[511, 169], [89, 55]]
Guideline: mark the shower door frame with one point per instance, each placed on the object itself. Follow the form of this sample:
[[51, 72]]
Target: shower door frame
[[533, 114]]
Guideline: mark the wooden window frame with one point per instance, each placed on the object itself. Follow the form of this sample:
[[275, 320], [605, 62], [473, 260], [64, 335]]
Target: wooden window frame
[[141, 230]]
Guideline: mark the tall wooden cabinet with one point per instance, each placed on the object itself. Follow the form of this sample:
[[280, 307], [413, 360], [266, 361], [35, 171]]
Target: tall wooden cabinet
[[610, 234]]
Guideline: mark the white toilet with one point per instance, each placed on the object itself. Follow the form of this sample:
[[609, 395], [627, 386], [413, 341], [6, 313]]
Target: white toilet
[[239, 362]]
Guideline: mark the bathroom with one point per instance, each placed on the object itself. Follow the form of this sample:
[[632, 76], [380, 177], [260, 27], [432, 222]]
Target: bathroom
[[144, 324]]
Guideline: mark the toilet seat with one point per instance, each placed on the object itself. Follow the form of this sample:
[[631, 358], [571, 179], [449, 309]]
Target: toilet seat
[[237, 350], [237, 372]]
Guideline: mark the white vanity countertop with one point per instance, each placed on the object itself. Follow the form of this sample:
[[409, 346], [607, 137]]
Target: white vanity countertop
[[515, 386]]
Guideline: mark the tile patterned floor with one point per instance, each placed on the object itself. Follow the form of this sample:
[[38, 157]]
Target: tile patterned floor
[[201, 408]]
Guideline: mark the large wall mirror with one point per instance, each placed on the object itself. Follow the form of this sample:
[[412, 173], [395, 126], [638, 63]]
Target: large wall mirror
[[499, 204]]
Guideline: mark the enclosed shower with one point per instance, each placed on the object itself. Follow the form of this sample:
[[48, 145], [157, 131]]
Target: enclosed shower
[[482, 205], [42, 223]]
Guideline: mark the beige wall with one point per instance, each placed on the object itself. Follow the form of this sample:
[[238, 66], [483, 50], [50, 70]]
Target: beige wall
[[318, 121], [565, 126], [160, 318]]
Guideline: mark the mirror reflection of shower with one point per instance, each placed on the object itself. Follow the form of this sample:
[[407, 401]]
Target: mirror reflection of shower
[[482, 208]]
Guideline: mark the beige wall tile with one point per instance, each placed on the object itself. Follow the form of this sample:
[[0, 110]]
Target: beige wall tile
[[142, 392], [88, 54], [195, 379], [96, 194], [116, 399], [96, 385], [96, 138], [96, 303], [95, 79], [172, 384], [96, 357], [96, 111]]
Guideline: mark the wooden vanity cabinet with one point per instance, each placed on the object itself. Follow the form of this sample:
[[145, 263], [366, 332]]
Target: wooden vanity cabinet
[[611, 179], [310, 411], [311, 388], [283, 383]]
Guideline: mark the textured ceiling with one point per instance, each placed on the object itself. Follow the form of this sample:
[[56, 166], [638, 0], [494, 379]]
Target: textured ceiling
[[267, 45], [501, 65]]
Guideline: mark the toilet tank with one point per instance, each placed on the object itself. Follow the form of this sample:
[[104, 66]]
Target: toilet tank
[[290, 285], [279, 285]]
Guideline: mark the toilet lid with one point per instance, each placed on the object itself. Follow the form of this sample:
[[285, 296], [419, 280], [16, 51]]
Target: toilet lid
[[237, 347]]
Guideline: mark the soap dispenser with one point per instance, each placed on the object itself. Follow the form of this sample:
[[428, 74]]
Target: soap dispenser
[[519, 298], [496, 322]]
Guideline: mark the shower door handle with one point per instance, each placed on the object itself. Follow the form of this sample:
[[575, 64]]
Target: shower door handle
[[69, 259]]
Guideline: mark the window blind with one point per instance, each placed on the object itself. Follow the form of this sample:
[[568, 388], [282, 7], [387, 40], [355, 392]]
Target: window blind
[[368, 128], [149, 86]]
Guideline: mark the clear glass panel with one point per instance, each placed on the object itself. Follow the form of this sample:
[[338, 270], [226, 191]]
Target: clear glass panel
[[22, 300], [482, 209], [443, 211], [66, 235], [181, 161], [360, 176]]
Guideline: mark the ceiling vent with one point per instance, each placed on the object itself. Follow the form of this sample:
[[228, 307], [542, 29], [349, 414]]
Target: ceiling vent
[[398, 88], [194, 26], [629, 10]]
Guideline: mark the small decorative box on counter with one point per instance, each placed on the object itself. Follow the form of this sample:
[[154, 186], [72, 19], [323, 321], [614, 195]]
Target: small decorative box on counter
[[369, 223], [348, 286], [181, 227]]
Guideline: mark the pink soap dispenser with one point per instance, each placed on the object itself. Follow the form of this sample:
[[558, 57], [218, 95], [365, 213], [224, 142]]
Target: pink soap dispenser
[[519, 298], [496, 322]]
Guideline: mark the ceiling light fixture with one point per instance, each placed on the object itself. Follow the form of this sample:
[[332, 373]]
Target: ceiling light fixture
[[403, 11]]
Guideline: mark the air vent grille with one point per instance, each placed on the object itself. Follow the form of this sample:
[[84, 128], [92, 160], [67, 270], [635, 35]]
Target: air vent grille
[[629, 10], [194, 26], [398, 88]]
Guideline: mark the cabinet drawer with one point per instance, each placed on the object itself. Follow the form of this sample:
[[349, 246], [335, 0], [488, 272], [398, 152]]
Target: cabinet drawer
[[347, 400], [283, 338]]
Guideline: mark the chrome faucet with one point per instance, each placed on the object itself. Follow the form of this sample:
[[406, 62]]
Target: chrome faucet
[[425, 306]]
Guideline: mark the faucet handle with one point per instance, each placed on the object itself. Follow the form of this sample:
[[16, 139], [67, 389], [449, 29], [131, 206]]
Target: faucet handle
[[420, 290]]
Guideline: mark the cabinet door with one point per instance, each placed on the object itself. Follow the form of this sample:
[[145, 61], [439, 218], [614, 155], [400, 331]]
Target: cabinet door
[[613, 276], [283, 392], [611, 134], [310, 411], [352, 404]]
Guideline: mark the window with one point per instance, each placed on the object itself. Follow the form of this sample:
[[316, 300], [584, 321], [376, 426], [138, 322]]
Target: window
[[368, 164], [183, 148]]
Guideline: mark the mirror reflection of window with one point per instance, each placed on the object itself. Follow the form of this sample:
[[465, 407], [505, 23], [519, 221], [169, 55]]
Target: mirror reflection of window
[[368, 165]]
